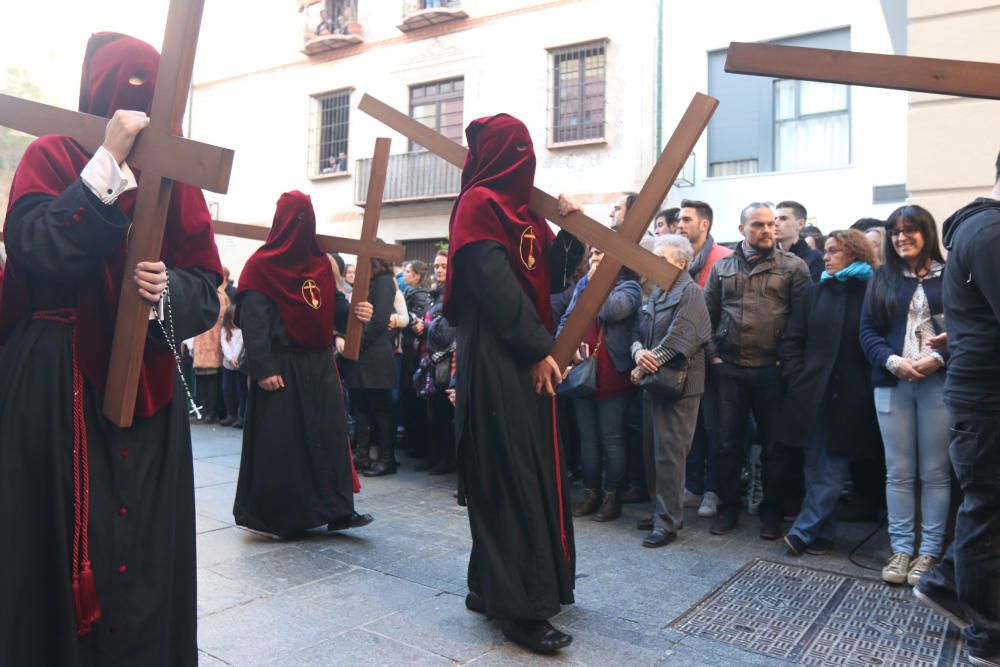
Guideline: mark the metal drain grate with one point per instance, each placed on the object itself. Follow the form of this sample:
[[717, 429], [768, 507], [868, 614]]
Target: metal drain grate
[[821, 618]]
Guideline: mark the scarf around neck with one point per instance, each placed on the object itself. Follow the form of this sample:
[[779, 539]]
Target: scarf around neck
[[859, 270]]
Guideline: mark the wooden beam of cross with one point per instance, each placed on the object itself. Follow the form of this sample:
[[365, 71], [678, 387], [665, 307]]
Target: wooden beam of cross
[[637, 220], [163, 157], [369, 232], [920, 75], [620, 247], [388, 251]]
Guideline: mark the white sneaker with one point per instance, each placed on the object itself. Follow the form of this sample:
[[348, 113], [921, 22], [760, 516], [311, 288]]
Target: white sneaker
[[709, 505], [691, 499]]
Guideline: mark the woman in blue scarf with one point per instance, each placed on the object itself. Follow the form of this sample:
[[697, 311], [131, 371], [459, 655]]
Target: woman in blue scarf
[[828, 408]]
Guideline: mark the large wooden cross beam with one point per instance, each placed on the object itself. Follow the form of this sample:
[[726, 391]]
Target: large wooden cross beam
[[258, 232], [921, 75], [369, 232], [620, 247], [366, 248], [163, 157]]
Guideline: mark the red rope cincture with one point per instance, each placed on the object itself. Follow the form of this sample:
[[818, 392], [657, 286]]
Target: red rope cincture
[[559, 489], [85, 602]]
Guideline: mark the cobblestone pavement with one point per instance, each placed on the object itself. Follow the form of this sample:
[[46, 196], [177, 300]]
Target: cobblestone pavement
[[392, 593]]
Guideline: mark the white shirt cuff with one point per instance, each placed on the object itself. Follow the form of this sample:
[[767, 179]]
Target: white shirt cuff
[[106, 178]]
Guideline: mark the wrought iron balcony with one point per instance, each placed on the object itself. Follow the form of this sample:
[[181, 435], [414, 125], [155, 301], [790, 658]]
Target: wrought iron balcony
[[411, 177], [329, 25], [419, 14]]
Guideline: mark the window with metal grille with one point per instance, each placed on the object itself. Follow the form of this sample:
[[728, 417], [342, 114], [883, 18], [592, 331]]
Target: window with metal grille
[[577, 95], [440, 106], [328, 133]]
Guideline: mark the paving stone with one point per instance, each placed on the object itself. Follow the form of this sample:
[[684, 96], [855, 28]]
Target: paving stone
[[228, 460], [587, 649], [216, 501], [218, 546], [207, 473], [443, 626], [217, 592], [358, 647], [281, 569], [277, 626], [205, 660], [204, 524]]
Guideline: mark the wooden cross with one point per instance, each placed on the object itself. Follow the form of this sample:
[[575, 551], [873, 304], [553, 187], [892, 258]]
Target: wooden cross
[[366, 248], [620, 247], [369, 232], [163, 157], [920, 75]]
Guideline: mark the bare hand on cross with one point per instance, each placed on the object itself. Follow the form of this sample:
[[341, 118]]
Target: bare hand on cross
[[122, 129]]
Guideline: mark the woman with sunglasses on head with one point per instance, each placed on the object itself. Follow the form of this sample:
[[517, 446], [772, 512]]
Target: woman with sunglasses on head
[[899, 328]]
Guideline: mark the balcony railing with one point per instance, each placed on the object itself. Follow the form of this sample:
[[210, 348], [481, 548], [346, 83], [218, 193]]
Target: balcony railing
[[419, 14], [416, 176], [329, 25]]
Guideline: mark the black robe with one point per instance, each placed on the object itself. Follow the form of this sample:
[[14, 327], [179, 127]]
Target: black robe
[[142, 526], [514, 475], [295, 473]]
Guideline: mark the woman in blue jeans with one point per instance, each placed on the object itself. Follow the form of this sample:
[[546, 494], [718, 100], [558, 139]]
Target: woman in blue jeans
[[900, 325], [828, 408], [600, 418]]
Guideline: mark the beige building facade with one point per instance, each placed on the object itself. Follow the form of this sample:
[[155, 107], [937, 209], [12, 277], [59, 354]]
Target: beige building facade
[[953, 142]]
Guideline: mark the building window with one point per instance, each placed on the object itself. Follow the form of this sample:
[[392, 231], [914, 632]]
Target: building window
[[811, 125], [328, 133], [766, 124], [440, 106], [577, 95]]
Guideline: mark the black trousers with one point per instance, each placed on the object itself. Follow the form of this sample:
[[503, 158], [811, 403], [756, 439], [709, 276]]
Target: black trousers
[[373, 412], [971, 567], [742, 392]]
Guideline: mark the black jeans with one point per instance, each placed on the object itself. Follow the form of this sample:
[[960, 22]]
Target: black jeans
[[742, 391], [373, 409], [971, 566], [234, 391]]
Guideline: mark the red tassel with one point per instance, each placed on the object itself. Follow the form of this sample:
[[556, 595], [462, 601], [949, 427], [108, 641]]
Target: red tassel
[[88, 608]]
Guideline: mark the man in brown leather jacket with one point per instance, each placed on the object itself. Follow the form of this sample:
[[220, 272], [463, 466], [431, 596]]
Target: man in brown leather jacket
[[749, 295]]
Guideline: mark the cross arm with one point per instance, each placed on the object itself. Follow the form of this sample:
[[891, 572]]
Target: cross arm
[[584, 228], [183, 160], [637, 220], [922, 75], [388, 251]]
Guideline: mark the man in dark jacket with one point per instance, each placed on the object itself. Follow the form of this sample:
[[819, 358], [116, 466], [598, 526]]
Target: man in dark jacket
[[965, 586], [789, 220], [749, 295]]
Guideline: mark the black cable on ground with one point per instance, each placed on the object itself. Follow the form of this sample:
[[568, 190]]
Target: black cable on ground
[[862, 543]]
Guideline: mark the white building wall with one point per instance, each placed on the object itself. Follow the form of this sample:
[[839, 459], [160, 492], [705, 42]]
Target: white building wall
[[254, 96], [835, 198], [264, 114]]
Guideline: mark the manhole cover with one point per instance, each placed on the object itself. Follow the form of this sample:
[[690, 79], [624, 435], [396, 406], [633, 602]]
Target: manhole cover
[[815, 617]]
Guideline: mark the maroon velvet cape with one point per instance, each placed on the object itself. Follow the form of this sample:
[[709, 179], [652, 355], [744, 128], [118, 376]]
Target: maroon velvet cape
[[291, 269], [493, 206], [52, 163]]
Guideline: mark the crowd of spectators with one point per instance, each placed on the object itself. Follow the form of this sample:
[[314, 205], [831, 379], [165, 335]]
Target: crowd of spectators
[[784, 377]]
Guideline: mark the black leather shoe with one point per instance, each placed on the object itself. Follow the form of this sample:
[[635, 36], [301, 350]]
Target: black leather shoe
[[354, 521], [770, 530], [537, 636], [473, 602], [442, 468], [380, 469], [658, 537], [645, 523]]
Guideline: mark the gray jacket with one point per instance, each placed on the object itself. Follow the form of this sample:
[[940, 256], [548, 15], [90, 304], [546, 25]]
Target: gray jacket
[[677, 320], [749, 305]]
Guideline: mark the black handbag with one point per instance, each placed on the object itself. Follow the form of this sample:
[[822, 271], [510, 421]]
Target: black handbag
[[669, 381], [582, 380]]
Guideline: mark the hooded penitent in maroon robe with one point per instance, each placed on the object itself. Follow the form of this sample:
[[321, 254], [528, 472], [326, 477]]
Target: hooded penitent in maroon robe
[[101, 561], [510, 459], [295, 473]]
